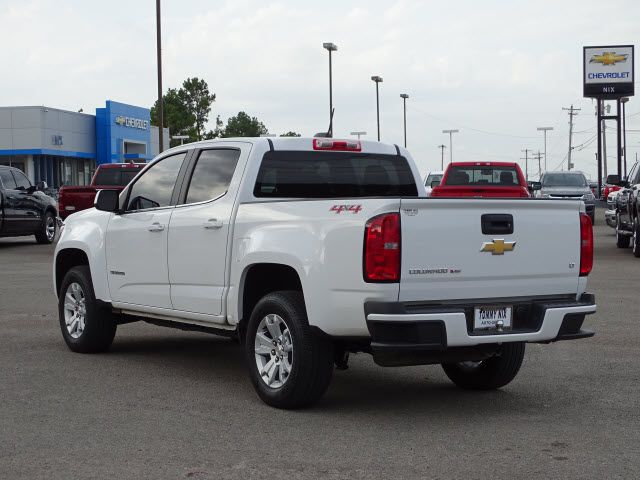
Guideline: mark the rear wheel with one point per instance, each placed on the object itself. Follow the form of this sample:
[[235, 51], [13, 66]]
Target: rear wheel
[[289, 364], [86, 326], [622, 241], [635, 240], [489, 374], [47, 231]]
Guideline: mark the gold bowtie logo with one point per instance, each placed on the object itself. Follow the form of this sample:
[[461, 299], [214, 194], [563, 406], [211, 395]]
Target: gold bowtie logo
[[498, 246], [608, 58]]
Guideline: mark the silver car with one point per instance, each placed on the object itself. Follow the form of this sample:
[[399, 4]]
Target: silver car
[[567, 186]]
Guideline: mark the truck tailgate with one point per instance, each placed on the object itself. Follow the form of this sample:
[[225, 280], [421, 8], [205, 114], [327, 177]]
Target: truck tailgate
[[442, 243]]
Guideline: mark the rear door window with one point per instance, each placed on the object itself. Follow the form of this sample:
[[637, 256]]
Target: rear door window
[[482, 176], [212, 174], [296, 174]]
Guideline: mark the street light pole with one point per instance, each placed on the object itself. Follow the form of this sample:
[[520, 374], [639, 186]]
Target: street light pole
[[624, 100], [442, 147], [160, 103], [545, 130], [330, 47], [450, 132], [404, 97], [359, 134], [377, 79]]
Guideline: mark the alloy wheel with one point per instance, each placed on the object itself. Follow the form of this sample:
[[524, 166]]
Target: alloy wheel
[[75, 310], [50, 228], [273, 348]]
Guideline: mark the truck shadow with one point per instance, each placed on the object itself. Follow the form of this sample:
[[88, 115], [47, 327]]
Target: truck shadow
[[364, 387]]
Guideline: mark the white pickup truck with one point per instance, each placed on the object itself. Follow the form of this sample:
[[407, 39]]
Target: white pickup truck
[[308, 249]]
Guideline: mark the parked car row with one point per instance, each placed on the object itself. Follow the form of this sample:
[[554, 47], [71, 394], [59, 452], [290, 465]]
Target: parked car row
[[624, 206], [506, 180]]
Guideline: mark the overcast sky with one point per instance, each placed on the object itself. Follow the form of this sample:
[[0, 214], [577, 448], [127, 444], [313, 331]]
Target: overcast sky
[[495, 70]]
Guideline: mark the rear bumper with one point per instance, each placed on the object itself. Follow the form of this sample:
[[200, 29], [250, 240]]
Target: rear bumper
[[404, 330]]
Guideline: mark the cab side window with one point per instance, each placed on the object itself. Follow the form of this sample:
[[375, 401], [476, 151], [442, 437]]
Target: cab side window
[[22, 181], [7, 180], [155, 187], [212, 174]]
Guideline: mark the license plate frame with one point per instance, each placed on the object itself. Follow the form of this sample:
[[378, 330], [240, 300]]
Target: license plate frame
[[485, 317]]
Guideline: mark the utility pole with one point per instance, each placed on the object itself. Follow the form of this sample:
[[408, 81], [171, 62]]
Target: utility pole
[[442, 147], [572, 113], [538, 157], [526, 163], [160, 102]]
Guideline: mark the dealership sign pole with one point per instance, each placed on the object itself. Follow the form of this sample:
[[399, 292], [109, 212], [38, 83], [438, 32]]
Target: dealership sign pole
[[608, 74]]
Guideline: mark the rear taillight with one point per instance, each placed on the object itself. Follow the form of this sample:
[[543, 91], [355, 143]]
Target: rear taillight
[[337, 145], [382, 248], [586, 245]]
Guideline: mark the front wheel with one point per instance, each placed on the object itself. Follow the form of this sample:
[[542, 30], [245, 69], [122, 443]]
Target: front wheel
[[290, 365], [622, 241], [86, 326], [490, 374], [46, 233]]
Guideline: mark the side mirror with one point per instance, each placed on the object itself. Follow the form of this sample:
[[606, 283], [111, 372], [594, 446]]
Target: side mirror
[[435, 183], [107, 200], [536, 186], [613, 179], [41, 186]]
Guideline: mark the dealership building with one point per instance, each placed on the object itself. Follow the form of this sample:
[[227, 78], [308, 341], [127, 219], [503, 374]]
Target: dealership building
[[63, 148]]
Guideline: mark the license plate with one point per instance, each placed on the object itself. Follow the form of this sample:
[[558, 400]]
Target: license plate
[[486, 318]]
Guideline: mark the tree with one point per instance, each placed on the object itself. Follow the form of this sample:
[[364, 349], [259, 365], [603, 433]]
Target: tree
[[242, 125], [176, 115], [197, 99], [291, 134], [186, 110]]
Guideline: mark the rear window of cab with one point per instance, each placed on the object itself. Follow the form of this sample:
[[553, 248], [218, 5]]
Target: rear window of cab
[[482, 175], [303, 174]]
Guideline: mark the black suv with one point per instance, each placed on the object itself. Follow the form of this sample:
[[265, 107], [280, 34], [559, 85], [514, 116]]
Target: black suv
[[24, 208]]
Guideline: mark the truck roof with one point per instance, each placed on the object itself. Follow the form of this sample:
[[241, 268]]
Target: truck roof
[[302, 143], [483, 164]]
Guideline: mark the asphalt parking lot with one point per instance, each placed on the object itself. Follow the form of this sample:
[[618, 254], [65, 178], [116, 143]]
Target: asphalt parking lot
[[170, 404]]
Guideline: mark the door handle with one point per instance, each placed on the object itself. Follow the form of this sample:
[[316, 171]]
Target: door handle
[[156, 227], [212, 224]]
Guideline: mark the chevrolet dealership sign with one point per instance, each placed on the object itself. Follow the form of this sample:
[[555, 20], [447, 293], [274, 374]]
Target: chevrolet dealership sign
[[132, 122], [608, 71]]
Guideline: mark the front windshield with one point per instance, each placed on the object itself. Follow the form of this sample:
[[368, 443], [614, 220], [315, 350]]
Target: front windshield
[[564, 180]]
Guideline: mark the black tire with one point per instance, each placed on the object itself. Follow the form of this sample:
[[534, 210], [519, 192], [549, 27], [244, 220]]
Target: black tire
[[311, 363], [99, 325], [489, 374], [43, 234], [635, 240], [622, 241]]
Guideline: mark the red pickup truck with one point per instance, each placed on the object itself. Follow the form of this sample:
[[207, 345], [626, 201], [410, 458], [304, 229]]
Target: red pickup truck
[[110, 176], [482, 179]]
